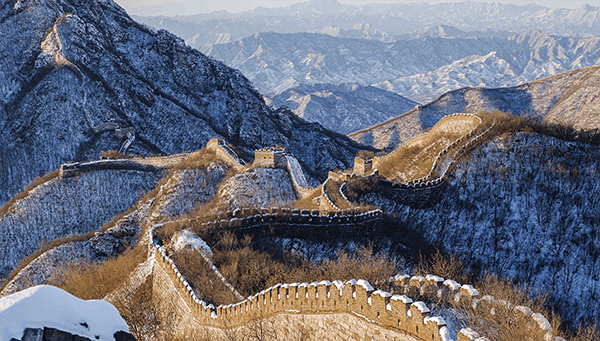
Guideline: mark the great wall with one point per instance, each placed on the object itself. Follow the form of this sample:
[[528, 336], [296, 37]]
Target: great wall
[[351, 310], [52, 47]]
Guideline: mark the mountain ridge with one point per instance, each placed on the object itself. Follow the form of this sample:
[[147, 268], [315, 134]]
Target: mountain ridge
[[569, 98], [95, 78]]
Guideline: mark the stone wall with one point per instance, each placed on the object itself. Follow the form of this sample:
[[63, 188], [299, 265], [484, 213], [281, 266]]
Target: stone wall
[[328, 310], [469, 297], [77, 168], [225, 153], [290, 223], [353, 308]]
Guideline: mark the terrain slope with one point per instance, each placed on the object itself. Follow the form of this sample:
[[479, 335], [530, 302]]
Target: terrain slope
[[571, 98], [78, 77]]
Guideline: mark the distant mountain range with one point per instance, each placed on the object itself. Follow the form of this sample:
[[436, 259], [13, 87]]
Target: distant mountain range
[[418, 51], [571, 98], [342, 107], [420, 69], [388, 22]]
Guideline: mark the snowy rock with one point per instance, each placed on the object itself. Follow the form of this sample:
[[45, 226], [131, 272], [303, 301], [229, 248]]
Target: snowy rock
[[50, 307]]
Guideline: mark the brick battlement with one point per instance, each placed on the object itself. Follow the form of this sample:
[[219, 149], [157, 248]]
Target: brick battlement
[[469, 297], [357, 298], [72, 169], [290, 223]]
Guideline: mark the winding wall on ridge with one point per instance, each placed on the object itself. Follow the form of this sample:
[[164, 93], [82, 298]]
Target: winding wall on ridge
[[378, 314]]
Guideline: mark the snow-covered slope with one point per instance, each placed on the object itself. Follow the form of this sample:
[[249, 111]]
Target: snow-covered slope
[[76, 77], [524, 206], [257, 187], [67, 206], [386, 19], [51, 307], [344, 108], [571, 98]]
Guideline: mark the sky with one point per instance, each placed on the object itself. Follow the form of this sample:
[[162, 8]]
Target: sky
[[189, 7]]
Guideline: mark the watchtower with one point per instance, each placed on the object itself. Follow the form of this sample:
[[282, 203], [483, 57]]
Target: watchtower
[[362, 166], [269, 157]]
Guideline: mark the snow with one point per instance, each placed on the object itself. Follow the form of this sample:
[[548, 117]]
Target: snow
[[403, 298], [470, 290], [434, 278], [399, 278], [524, 310], [436, 319], [185, 238], [48, 306], [421, 306], [445, 334], [470, 333], [542, 322], [382, 293], [417, 278], [364, 284]]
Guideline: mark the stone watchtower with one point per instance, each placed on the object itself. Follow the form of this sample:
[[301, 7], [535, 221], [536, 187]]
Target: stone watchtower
[[362, 166], [269, 157]]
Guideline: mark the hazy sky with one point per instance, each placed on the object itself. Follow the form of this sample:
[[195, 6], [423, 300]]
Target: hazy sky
[[187, 7]]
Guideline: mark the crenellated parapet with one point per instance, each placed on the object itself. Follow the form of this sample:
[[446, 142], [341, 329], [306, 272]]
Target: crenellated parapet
[[225, 153], [286, 222], [467, 297], [397, 313], [76, 168]]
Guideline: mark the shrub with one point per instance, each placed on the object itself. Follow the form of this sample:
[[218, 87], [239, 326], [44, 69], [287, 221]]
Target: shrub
[[94, 281], [114, 155]]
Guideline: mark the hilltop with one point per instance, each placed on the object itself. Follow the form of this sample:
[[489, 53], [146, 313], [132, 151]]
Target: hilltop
[[342, 107], [570, 99]]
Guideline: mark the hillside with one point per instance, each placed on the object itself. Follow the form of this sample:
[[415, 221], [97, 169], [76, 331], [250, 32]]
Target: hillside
[[65, 206], [522, 206], [570, 98], [344, 107], [79, 77]]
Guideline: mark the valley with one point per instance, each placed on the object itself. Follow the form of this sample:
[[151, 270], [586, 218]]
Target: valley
[[394, 176]]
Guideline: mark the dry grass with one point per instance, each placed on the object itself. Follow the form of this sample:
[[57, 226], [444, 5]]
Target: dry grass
[[309, 203], [94, 281], [114, 155], [505, 322], [332, 188], [202, 278], [413, 160], [250, 270]]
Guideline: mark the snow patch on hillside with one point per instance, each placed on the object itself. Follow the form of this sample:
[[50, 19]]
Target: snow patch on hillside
[[258, 187], [48, 306]]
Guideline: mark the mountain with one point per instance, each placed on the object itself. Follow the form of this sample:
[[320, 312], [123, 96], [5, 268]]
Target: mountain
[[571, 99], [358, 31], [420, 69], [389, 19], [274, 62], [342, 107], [446, 31], [79, 77]]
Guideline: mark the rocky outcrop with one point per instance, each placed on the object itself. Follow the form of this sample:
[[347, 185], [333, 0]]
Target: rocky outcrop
[[51, 334]]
